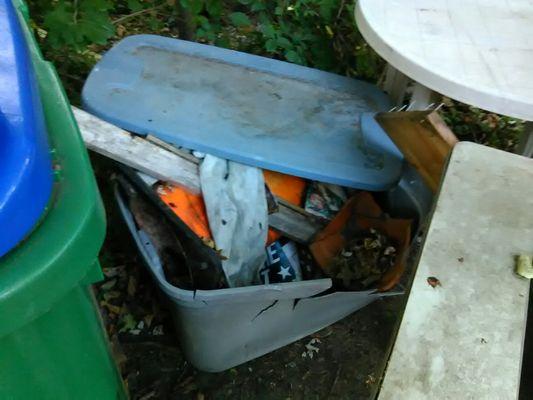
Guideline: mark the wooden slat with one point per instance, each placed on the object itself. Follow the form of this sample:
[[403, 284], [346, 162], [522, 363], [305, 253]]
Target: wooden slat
[[295, 223], [118, 144], [173, 149], [158, 161], [424, 139]]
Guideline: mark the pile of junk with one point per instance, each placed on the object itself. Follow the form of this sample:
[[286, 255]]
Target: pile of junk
[[264, 198]]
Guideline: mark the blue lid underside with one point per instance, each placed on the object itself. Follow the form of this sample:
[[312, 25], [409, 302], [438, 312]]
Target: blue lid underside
[[246, 108], [26, 175]]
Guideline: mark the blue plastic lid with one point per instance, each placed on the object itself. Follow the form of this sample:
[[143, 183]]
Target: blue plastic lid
[[253, 110], [26, 176]]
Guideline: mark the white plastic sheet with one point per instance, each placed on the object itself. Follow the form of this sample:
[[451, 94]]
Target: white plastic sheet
[[235, 201]]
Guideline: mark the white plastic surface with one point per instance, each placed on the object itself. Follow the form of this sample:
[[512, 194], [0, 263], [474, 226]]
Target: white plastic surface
[[477, 51], [235, 201], [463, 339]]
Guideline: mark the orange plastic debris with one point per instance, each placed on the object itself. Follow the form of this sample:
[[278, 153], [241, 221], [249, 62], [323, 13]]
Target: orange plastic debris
[[190, 208], [288, 187], [365, 213], [272, 236]]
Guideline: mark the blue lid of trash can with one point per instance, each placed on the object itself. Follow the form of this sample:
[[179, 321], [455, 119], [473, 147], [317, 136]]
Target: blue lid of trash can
[[25, 169], [254, 110]]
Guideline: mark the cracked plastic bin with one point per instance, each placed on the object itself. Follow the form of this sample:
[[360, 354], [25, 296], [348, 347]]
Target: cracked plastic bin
[[219, 329], [264, 113], [52, 343]]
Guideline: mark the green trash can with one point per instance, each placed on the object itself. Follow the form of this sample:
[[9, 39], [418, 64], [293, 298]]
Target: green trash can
[[52, 341]]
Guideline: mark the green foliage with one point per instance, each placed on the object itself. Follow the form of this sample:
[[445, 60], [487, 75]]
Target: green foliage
[[76, 24], [239, 19], [475, 125], [317, 33], [72, 33]]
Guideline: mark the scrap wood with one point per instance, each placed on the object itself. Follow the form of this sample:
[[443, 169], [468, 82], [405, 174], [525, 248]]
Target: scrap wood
[[173, 149], [118, 144], [170, 166], [424, 139], [286, 190], [295, 223]]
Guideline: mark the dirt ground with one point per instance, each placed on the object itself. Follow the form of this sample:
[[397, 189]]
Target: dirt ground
[[349, 364]]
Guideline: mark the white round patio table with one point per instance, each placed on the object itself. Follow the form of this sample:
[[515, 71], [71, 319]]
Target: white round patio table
[[479, 52]]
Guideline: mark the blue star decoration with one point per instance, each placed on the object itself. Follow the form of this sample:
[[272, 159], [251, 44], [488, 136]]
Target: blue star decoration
[[285, 272], [278, 267]]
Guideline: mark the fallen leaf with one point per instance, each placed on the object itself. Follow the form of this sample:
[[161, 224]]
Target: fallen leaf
[[111, 307], [433, 282], [132, 286], [370, 380], [128, 323], [120, 30], [158, 330], [148, 318], [311, 349], [190, 387], [111, 272], [112, 294], [108, 285]]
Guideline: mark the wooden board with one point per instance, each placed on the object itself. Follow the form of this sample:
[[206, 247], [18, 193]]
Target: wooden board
[[135, 152], [424, 139], [173, 149], [295, 223]]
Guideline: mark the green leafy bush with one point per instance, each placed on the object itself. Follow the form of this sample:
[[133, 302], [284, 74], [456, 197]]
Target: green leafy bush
[[76, 24], [317, 33], [475, 125]]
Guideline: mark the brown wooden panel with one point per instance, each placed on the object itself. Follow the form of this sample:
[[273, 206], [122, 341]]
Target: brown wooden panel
[[424, 139]]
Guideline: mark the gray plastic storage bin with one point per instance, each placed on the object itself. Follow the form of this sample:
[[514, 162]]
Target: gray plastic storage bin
[[222, 328]]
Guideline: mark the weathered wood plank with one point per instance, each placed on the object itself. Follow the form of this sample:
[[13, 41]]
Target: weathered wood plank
[[294, 222], [173, 149], [118, 144], [424, 139]]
